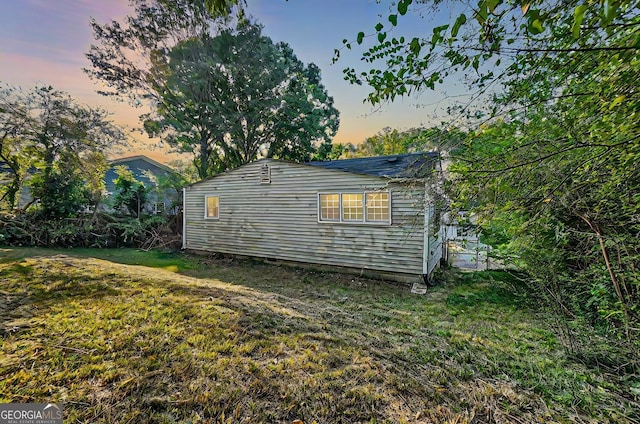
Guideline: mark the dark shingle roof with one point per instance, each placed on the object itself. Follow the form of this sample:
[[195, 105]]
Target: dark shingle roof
[[139, 165], [412, 165]]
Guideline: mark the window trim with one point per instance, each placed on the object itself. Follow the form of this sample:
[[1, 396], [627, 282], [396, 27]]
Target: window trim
[[157, 211], [364, 220], [206, 205], [366, 214], [265, 174], [362, 207], [339, 207]]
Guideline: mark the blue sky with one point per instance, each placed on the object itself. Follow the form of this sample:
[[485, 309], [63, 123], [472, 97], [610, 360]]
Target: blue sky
[[44, 41]]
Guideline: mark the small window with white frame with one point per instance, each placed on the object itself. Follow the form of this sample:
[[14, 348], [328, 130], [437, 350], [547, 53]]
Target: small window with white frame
[[211, 207], [159, 208], [352, 207]]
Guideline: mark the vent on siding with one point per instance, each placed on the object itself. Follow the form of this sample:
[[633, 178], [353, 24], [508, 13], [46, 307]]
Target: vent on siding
[[265, 175]]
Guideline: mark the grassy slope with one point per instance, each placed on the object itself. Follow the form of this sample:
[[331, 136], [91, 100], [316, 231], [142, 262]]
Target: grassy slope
[[186, 339]]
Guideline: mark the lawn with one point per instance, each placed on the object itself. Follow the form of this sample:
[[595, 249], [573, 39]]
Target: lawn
[[129, 336]]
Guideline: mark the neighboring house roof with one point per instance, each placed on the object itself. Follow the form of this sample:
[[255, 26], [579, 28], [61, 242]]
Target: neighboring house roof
[[412, 165], [141, 158], [140, 166]]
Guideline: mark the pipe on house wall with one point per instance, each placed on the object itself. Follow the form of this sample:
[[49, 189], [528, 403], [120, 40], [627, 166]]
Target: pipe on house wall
[[184, 217], [426, 242]]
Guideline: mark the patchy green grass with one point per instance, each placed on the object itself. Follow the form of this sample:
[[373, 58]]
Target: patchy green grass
[[129, 336]]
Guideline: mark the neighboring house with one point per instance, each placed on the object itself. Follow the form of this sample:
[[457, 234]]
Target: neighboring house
[[370, 215], [145, 170]]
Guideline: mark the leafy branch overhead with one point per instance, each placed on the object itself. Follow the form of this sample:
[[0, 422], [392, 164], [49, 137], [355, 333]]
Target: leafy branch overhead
[[488, 40]]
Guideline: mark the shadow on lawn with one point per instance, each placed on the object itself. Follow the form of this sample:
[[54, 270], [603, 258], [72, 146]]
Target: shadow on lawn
[[263, 343]]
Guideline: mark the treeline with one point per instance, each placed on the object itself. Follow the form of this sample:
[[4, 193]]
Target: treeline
[[53, 164]]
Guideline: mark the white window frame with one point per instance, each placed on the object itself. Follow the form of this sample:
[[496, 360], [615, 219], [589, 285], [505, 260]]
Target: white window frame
[[364, 220], [339, 208], [206, 205], [366, 215], [362, 208], [157, 210]]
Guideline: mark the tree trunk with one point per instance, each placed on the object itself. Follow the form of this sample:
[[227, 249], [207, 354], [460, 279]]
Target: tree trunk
[[612, 275]]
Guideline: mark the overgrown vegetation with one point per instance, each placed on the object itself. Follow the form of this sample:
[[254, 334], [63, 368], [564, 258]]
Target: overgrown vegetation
[[550, 163], [52, 169], [198, 339], [98, 230]]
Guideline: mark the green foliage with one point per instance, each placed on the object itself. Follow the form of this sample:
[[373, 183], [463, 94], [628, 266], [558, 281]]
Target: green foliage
[[56, 145], [130, 195], [236, 96], [13, 172], [552, 169], [514, 33], [393, 142], [226, 97], [97, 230], [570, 220], [222, 7], [329, 151], [61, 195]]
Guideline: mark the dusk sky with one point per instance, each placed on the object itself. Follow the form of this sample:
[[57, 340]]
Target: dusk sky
[[44, 41]]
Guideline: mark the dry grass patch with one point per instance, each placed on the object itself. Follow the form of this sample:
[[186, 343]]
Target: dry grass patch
[[210, 340]]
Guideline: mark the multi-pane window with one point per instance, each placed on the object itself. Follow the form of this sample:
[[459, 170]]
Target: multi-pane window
[[378, 206], [363, 207], [352, 207], [329, 207], [212, 207]]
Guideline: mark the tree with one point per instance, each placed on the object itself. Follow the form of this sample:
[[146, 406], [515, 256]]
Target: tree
[[60, 143], [130, 194], [13, 169], [393, 142], [230, 98], [127, 53], [223, 97], [222, 7]]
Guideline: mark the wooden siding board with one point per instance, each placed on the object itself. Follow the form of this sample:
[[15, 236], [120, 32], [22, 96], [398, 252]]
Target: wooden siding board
[[279, 220]]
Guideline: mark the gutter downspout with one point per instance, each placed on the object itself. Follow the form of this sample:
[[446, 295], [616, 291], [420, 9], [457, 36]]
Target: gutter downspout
[[184, 218], [426, 247]]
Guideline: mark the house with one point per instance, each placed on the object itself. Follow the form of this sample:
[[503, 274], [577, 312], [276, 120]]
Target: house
[[147, 171], [369, 215]]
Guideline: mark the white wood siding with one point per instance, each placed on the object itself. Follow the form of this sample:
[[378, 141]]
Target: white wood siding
[[279, 220]]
